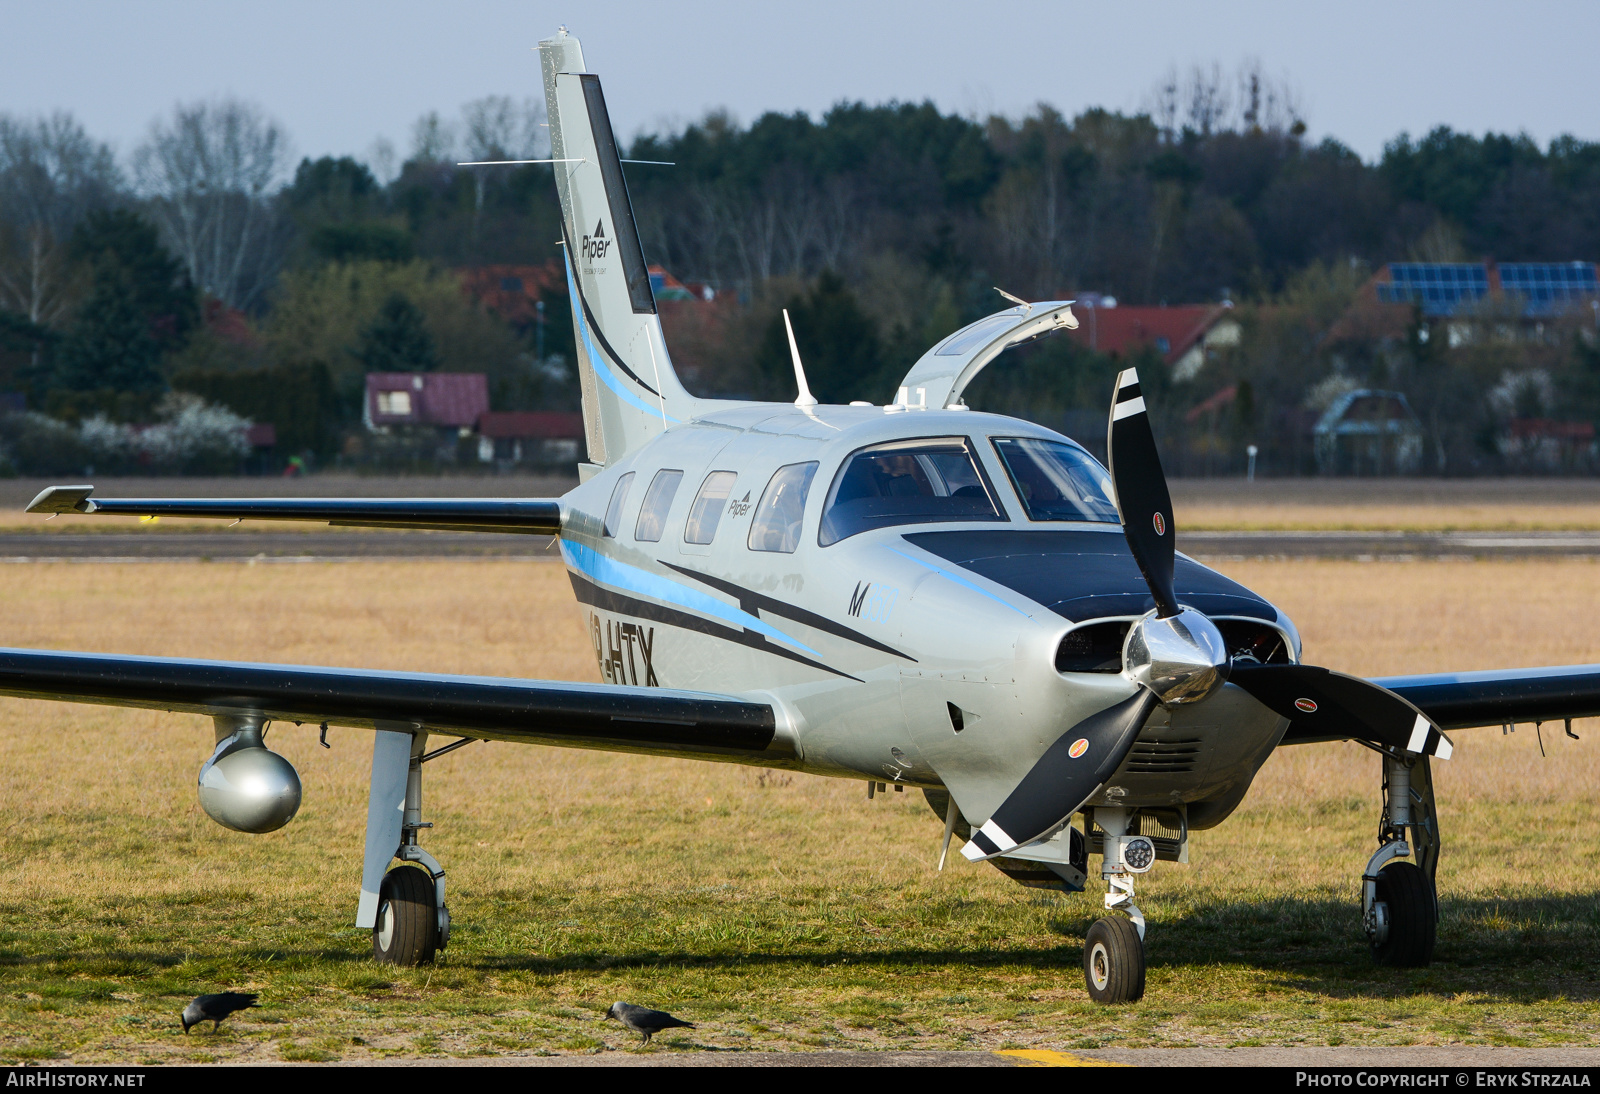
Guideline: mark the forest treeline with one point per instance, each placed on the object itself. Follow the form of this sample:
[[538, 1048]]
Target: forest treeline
[[209, 264]]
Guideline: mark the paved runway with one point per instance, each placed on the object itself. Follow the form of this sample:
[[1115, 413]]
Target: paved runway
[[268, 546]]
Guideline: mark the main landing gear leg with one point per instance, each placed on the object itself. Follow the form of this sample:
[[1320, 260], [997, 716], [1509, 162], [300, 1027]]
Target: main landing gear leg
[[404, 907], [1399, 901], [1113, 951]]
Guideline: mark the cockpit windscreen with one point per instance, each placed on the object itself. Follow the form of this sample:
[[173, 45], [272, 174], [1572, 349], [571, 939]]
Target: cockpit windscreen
[[1057, 481]]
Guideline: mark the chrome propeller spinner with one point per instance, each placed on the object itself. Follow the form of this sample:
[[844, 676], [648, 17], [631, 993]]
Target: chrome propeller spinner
[[1181, 658]]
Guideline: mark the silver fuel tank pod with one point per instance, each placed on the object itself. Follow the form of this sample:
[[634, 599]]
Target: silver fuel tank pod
[[244, 785], [1182, 658]]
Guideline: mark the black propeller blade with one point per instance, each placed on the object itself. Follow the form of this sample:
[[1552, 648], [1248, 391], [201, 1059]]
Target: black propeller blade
[[1142, 498], [1322, 702], [1069, 773]]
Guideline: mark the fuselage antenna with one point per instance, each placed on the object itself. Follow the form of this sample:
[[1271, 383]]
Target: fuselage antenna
[[805, 397]]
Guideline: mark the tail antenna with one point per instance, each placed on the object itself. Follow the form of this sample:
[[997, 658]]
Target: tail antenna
[[805, 398]]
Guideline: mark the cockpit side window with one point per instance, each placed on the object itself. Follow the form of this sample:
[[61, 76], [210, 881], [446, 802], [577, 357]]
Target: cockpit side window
[[782, 507], [701, 526], [926, 481], [619, 495], [1057, 481], [657, 502]]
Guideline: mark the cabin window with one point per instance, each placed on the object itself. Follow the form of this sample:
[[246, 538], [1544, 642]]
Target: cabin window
[[619, 495], [701, 526], [657, 502], [1057, 481], [924, 481], [776, 526]]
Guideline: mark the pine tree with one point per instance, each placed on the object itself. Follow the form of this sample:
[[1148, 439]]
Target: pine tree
[[838, 344], [398, 340], [140, 306]]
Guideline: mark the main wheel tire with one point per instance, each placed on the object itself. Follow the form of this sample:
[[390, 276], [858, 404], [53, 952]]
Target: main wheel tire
[[1413, 917], [1113, 961], [407, 930]]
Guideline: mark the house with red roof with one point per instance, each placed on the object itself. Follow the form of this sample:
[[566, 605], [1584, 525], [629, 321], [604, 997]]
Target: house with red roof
[[1184, 335], [449, 402]]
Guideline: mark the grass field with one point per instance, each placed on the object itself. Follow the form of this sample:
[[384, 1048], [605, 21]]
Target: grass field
[[777, 912]]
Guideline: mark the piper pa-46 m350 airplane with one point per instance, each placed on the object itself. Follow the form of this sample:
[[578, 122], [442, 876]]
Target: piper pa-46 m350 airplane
[[916, 594]]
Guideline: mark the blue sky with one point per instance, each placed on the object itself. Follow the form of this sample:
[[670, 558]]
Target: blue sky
[[340, 73]]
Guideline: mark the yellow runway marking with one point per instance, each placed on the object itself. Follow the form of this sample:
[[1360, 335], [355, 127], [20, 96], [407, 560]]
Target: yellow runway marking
[[1043, 1057]]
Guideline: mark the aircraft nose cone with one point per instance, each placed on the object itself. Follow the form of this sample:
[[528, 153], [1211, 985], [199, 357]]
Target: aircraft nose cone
[[1182, 658]]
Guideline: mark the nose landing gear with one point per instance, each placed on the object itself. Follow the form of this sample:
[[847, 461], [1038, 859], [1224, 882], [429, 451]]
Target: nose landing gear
[[1113, 951]]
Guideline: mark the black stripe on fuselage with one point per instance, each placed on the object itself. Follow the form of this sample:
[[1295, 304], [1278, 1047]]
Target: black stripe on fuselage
[[588, 315], [609, 600], [751, 601]]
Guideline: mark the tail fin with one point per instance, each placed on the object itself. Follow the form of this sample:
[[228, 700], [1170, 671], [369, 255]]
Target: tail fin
[[630, 391]]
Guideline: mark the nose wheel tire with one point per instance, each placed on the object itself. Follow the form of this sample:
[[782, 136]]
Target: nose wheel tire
[[407, 930], [1113, 961], [1413, 917]]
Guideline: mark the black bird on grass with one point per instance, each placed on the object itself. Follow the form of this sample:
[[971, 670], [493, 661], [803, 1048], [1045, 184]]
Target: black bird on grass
[[644, 1021], [214, 1008]]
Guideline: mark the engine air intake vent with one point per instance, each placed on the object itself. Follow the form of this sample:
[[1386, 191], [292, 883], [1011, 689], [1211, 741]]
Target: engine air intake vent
[[1164, 757], [1096, 647], [1252, 640]]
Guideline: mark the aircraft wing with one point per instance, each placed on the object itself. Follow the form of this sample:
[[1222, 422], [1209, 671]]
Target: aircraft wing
[[1462, 700], [533, 516], [602, 716]]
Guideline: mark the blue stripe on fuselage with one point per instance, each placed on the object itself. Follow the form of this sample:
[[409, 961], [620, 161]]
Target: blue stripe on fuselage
[[597, 359], [619, 575]]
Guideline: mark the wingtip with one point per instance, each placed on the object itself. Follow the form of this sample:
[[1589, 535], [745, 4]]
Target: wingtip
[[62, 499]]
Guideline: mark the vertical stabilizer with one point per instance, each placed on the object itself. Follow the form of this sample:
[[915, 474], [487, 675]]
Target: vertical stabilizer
[[630, 392]]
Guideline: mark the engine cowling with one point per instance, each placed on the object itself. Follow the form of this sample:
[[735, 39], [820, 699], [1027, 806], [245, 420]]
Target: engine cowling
[[245, 785]]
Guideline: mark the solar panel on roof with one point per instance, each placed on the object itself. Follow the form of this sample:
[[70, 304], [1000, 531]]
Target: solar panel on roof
[[1546, 287]]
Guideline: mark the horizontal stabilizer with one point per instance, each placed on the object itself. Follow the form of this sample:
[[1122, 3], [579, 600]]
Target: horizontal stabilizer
[[533, 516]]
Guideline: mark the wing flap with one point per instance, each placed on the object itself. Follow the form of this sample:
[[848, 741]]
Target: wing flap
[[602, 716], [530, 516]]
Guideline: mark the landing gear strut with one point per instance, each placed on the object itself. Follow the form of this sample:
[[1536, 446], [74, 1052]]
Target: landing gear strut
[[1399, 901], [404, 907], [1113, 952]]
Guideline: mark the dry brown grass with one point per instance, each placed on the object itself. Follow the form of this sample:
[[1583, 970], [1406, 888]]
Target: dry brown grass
[[778, 913], [1438, 517], [1431, 505]]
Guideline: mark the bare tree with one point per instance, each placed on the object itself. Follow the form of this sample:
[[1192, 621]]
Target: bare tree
[[433, 140], [1209, 105], [208, 174], [1202, 101], [1269, 103], [498, 127], [52, 175]]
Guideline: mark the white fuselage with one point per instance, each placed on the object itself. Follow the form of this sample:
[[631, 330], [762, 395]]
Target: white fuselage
[[871, 648]]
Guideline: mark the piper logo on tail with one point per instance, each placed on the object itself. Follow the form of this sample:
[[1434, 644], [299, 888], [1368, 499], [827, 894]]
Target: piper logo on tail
[[596, 245]]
